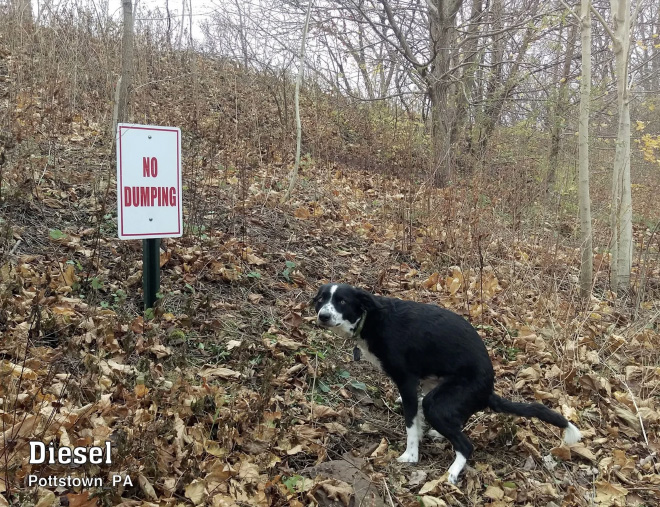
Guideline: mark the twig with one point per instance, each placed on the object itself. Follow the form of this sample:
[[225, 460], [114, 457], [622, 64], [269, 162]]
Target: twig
[[389, 495], [45, 166], [13, 249], [568, 8], [311, 405]]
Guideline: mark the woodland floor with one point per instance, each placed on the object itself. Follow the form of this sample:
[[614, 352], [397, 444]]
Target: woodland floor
[[228, 394]]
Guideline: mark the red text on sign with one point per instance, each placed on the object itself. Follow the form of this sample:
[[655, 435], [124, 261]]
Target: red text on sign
[[149, 196], [149, 167]]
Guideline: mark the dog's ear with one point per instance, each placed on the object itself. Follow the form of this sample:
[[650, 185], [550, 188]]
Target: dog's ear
[[316, 298], [366, 300]]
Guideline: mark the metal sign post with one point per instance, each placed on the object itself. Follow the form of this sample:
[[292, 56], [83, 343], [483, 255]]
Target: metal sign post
[[149, 204], [150, 271]]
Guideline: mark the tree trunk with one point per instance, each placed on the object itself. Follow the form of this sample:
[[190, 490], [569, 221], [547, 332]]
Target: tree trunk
[[654, 83], [301, 65], [621, 211], [496, 47], [586, 245], [442, 25], [561, 106], [498, 94], [442, 159], [467, 85], [497, 90], [241, 35], [126, 79]]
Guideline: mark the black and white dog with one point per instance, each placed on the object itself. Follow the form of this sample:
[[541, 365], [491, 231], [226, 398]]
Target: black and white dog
[[424, 344]]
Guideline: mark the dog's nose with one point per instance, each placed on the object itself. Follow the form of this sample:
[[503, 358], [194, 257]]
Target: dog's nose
[[324, 317]]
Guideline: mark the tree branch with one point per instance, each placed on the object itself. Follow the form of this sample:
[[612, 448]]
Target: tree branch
[[397, 32], [603, 22], [569, 9]]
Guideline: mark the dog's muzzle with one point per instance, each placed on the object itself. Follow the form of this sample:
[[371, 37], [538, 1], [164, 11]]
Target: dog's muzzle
[[324, 319]]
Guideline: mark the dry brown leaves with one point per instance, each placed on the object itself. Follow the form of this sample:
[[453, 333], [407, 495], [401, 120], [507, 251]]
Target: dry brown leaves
[[226, 396]]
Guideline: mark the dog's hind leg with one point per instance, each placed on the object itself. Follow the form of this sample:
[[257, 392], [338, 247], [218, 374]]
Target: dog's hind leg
[[414, 419], [432, 433], [446, 410], [427, 385]]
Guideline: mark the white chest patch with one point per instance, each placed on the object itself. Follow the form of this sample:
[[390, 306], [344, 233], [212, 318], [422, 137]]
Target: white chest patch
[[368, 356]]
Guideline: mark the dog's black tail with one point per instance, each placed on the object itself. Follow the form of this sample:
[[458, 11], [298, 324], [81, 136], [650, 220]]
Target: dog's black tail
[[538, 410]]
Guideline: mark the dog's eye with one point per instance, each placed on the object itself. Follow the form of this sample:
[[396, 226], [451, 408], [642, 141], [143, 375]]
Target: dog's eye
[[342, 302]]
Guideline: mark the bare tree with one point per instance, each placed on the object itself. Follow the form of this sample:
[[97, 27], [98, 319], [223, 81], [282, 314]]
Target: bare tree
[[126, 78], [442, 23], [299, 77], [586, 247], [561, 105], [621, 208]]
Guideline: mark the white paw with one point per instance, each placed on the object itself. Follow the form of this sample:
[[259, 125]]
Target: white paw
[[456, 468], [434, 434], [409, 457]]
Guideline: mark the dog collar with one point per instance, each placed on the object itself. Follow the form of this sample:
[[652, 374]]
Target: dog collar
[[357, 353], [360, 325]]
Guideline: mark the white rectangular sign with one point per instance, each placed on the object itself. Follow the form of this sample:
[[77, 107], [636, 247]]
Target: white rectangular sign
[[149, 182]]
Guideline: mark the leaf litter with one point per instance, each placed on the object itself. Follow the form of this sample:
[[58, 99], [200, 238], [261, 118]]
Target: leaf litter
[[228, 395]]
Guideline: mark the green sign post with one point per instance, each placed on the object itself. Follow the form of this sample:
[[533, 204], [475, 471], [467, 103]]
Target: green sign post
[[150, 271]]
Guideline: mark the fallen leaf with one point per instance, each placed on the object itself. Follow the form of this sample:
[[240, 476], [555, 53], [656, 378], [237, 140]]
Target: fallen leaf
[[65, 310], [322, 412], [294, 450], [628, 418], [141, 390], [255, 260], [137, 326], [165, 257], [147, 488], [381, 450], [293, 320], [160, 351], [417, 478], [432, 487], [81, 500], [233, 344], [583, 452], [336, 490], [18, 371], [302, 213], [335, 427], [494, 492], [431, 280], [211, 372], [563, 452], [607, 493], [255, 298], [196, 492], [69, 275]]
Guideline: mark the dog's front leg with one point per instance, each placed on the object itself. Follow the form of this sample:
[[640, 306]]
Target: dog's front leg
[[413, 416]]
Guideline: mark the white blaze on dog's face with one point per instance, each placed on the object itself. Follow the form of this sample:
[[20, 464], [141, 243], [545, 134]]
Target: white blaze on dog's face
[[338, 308]]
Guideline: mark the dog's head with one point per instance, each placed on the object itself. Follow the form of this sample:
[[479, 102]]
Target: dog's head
[[340, 307]]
